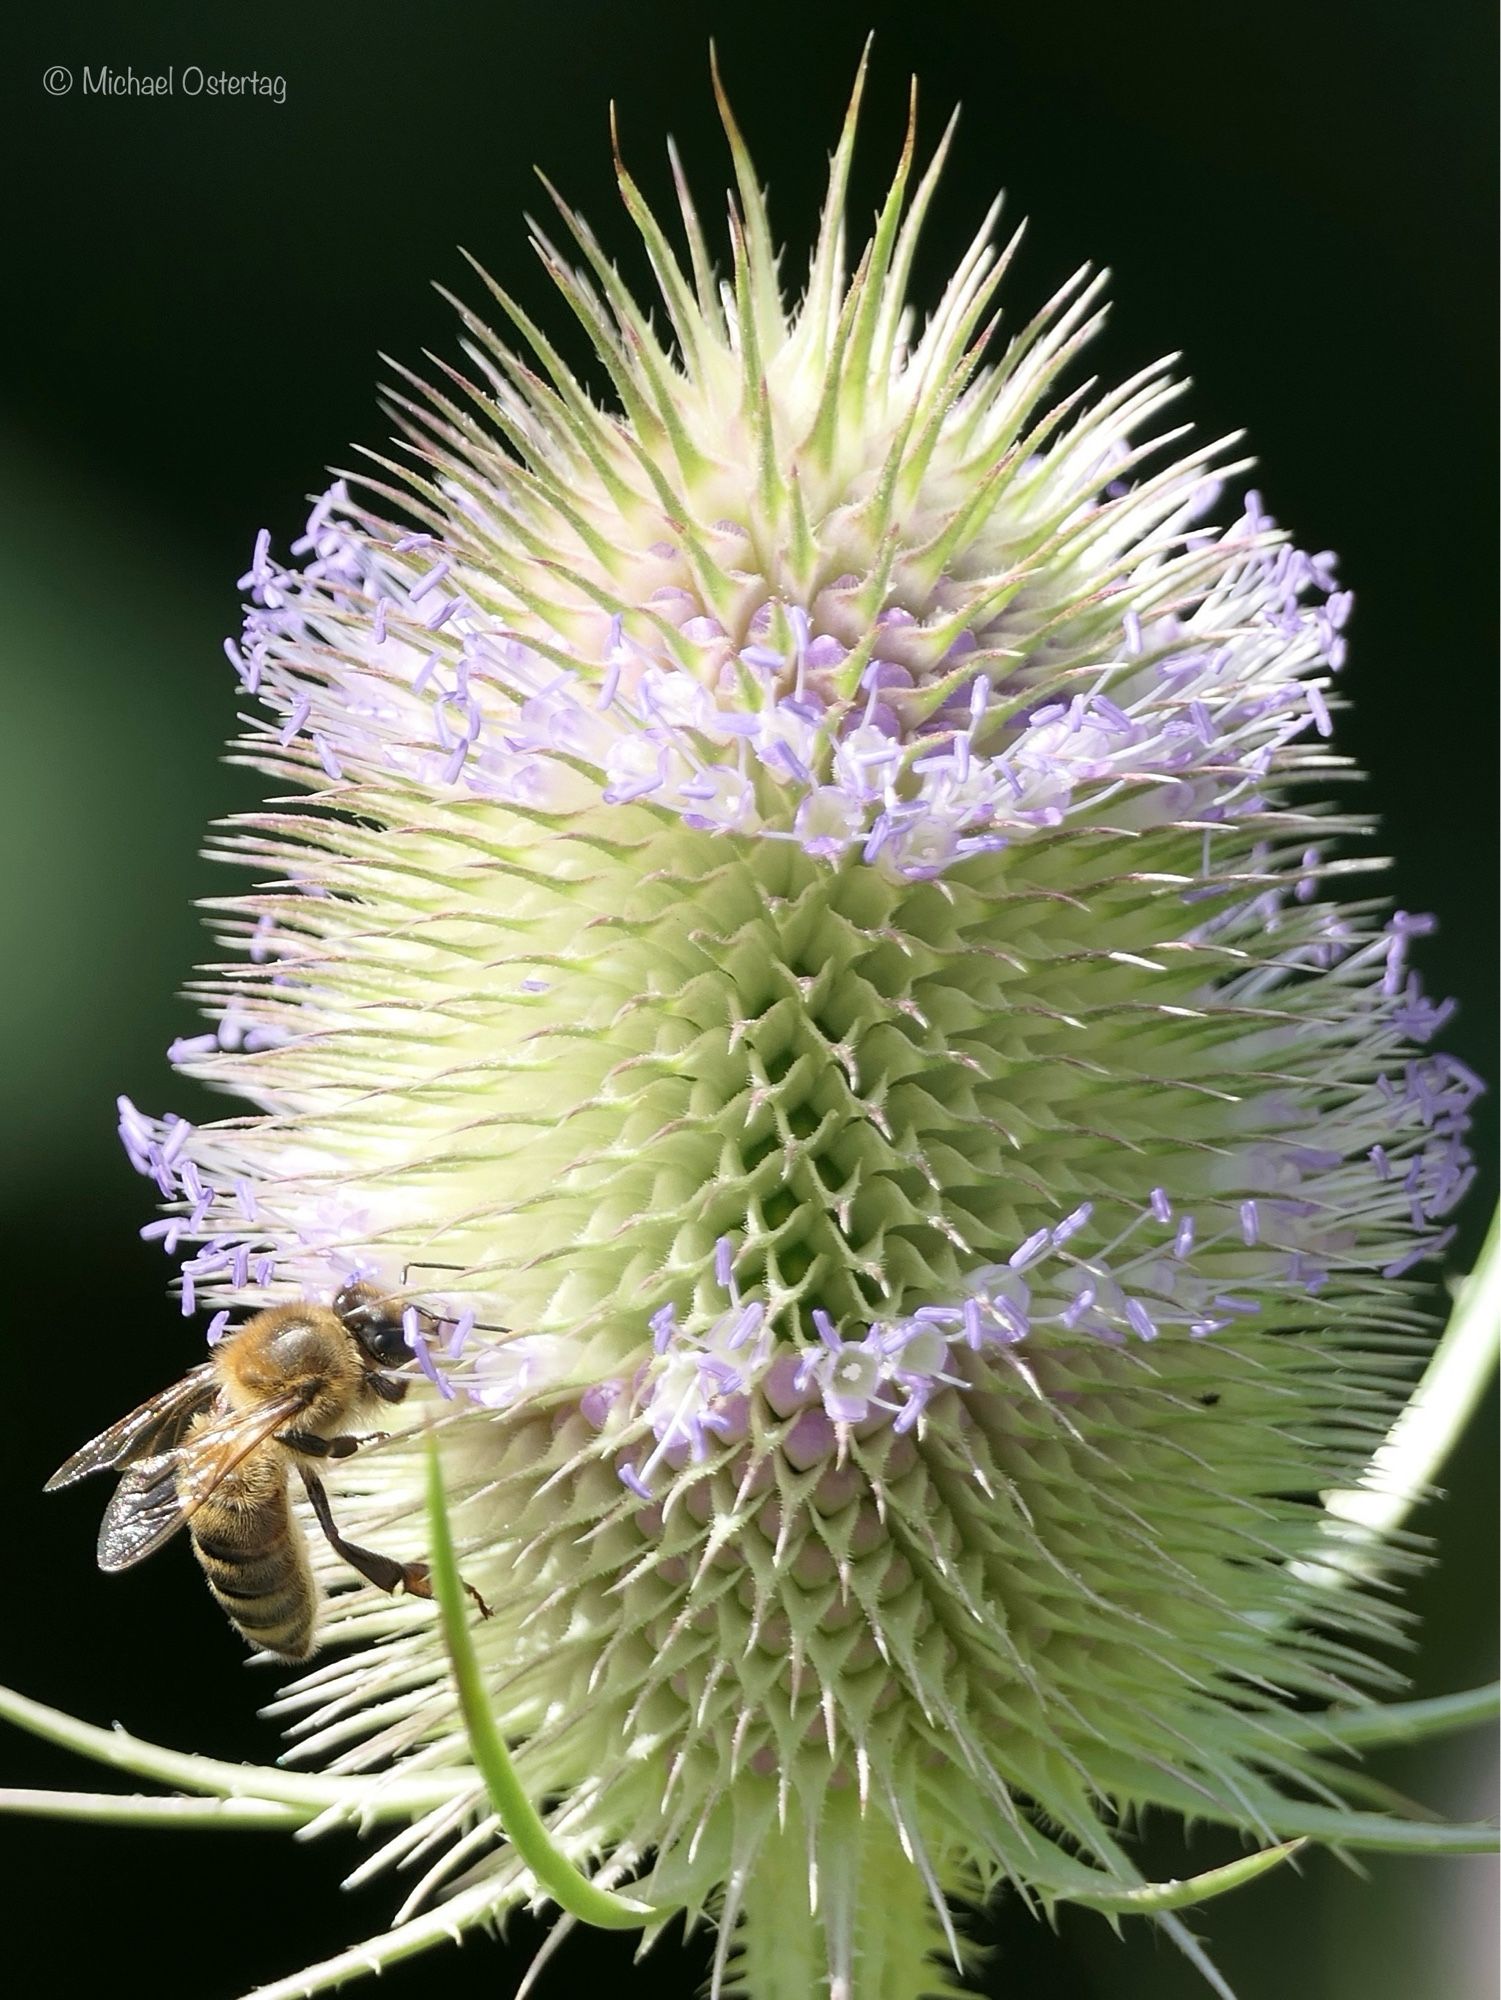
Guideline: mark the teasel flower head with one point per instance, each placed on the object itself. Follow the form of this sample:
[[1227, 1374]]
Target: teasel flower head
[[815, 945]]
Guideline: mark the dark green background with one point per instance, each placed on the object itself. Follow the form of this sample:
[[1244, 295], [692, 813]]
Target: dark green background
[[1296, 193]]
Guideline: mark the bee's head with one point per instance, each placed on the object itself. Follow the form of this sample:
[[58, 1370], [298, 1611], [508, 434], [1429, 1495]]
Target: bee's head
[[376, 1323]]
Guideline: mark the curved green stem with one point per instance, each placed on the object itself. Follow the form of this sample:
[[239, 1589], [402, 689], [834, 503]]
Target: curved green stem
[[524, 1827], [1406, 1464]]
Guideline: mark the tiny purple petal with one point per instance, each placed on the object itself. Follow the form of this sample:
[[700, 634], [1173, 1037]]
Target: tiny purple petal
[[1141, 1320], [1031, 1250]]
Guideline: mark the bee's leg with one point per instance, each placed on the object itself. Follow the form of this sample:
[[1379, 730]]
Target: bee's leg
[[334, 1447], [387, 1387], [383, 1571]]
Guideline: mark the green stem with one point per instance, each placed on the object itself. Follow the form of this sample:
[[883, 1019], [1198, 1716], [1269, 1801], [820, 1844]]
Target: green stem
[[126, 1809], [1379, 1833], [1331, 1826], [1393, 1722], [524, 1826], [371, 1799]]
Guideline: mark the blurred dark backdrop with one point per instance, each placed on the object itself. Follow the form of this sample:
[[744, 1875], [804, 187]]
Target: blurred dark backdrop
[[1297, 194]]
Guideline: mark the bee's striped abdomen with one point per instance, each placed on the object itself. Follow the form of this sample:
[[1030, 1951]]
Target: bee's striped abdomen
[[255, 1560]]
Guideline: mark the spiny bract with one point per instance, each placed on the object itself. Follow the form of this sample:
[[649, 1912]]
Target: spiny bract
[[812, 952]]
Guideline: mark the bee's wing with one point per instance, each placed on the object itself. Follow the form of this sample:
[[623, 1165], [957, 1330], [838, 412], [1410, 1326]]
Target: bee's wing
[[155, 1427], [143, 1511], [157, 1495]]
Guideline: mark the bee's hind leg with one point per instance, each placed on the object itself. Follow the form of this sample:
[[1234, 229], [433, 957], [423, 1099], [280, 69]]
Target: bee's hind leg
[[414, 1578]]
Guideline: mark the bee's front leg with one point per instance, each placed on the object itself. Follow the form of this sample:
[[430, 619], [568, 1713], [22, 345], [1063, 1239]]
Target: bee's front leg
[[383, 1571]]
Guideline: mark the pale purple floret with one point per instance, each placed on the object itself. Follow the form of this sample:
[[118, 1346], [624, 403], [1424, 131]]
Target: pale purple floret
[[695, 1386], [863, 771], [846, 1373]]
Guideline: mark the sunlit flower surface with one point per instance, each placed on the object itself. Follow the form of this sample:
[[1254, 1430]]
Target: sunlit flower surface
[[815, 942]]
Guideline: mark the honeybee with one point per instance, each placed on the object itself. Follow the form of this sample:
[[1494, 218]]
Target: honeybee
[[213, 1454]]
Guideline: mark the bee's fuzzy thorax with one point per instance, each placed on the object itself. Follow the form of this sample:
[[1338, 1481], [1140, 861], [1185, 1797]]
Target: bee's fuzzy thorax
[[291, 1350]]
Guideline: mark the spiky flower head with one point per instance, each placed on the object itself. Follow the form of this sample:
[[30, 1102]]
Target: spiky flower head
[[818, 954]]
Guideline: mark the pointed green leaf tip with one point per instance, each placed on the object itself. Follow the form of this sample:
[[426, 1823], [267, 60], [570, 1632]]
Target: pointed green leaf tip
[[1150, 1898], [523, 1825]]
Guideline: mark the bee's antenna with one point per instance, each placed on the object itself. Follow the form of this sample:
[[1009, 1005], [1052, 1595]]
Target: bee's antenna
[[426, 1264]]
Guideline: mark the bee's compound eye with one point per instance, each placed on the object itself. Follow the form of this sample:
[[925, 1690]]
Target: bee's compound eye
[[382, 1334], [377, 1324]]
